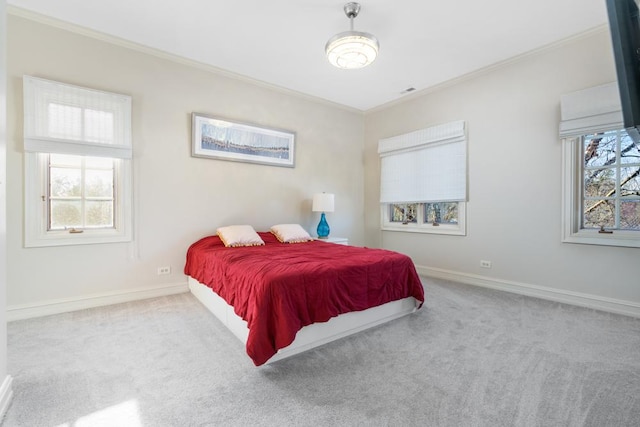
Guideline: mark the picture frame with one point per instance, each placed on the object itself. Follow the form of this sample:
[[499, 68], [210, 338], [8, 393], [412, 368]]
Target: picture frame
[[222, 139]]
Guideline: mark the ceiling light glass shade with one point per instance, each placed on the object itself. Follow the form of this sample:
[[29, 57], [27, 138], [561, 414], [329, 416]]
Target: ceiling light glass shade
[[352, 49]]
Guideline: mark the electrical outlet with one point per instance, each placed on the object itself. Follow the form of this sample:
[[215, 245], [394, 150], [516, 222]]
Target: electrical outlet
[[164, 270], [485, 264]]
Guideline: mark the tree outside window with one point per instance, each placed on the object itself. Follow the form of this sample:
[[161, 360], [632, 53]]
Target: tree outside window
[[611, 182], [404, 213]]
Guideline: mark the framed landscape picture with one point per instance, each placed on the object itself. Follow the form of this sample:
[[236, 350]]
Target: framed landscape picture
[[218, 138]]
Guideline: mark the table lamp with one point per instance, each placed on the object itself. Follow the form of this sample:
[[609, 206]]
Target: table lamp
[[323, 202]]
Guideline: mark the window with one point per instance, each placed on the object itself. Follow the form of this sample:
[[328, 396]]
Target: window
[[77, 165], [403, 213], [611, 177], [423, 184], [436, 217], [80, 192], [601, 191], [441, 213]]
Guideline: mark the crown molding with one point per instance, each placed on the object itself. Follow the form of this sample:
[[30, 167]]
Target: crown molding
[[118, 41], [490, 68], [127, 44]]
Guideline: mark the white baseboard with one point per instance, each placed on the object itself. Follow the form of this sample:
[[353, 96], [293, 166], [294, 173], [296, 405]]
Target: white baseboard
[[611, 305], [6, 394], [46, 308]]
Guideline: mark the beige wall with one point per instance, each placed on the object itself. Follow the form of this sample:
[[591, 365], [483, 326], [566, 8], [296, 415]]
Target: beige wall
[[514, 209], [512, 114], [178, 198], [3, 210]]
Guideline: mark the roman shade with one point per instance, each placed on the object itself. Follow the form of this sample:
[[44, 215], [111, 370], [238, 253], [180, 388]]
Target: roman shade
[[428, 165], [66, 119], [596, 109]]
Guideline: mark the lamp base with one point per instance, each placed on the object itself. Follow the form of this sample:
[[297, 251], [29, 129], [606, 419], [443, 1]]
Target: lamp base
[[323, 227]]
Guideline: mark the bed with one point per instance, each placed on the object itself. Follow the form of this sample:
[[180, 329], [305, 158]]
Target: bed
[[284, 298]]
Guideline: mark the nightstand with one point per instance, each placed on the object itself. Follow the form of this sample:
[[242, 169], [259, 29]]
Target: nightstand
[[336, 240]]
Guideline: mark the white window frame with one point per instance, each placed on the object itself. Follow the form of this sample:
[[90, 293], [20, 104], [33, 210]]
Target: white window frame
[[588, 111], [433, 162], [39, 141], [37, 233], [572, 182], [420, 226]]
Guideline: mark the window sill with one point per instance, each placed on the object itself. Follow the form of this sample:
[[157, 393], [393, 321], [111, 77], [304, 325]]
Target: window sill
[[619, 238], [64, 238], [427, 229]]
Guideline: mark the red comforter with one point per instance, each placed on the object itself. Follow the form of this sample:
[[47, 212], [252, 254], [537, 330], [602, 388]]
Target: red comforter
[[278, 288]]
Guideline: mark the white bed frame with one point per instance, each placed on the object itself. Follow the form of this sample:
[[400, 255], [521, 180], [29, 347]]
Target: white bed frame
[[310, 336]]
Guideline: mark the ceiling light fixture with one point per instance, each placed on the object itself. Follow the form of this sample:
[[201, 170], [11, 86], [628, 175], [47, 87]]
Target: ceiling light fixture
[[352, 49]]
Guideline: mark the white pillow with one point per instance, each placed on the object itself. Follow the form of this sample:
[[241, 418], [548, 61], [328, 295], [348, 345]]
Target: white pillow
[[290, 233], [239, 235]]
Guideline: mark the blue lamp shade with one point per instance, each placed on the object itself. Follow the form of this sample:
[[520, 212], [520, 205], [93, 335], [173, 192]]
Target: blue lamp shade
[[323, 202]]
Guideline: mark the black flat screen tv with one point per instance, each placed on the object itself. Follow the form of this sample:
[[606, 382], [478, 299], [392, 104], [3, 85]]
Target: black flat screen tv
[[624, 23]]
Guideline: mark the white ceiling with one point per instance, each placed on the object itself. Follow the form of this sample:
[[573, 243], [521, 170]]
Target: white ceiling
[[281, 42]]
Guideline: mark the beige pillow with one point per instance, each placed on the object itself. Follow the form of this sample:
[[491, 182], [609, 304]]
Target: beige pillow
[[290, 233], [239, 235]]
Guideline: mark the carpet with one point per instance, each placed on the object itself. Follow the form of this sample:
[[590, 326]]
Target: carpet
[[470, 357]]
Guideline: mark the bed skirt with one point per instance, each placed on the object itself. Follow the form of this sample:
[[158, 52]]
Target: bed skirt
[[310, 336]]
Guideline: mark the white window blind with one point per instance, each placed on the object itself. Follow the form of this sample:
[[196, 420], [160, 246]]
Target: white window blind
[[596, 109], [66, 119], [427, 165]]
